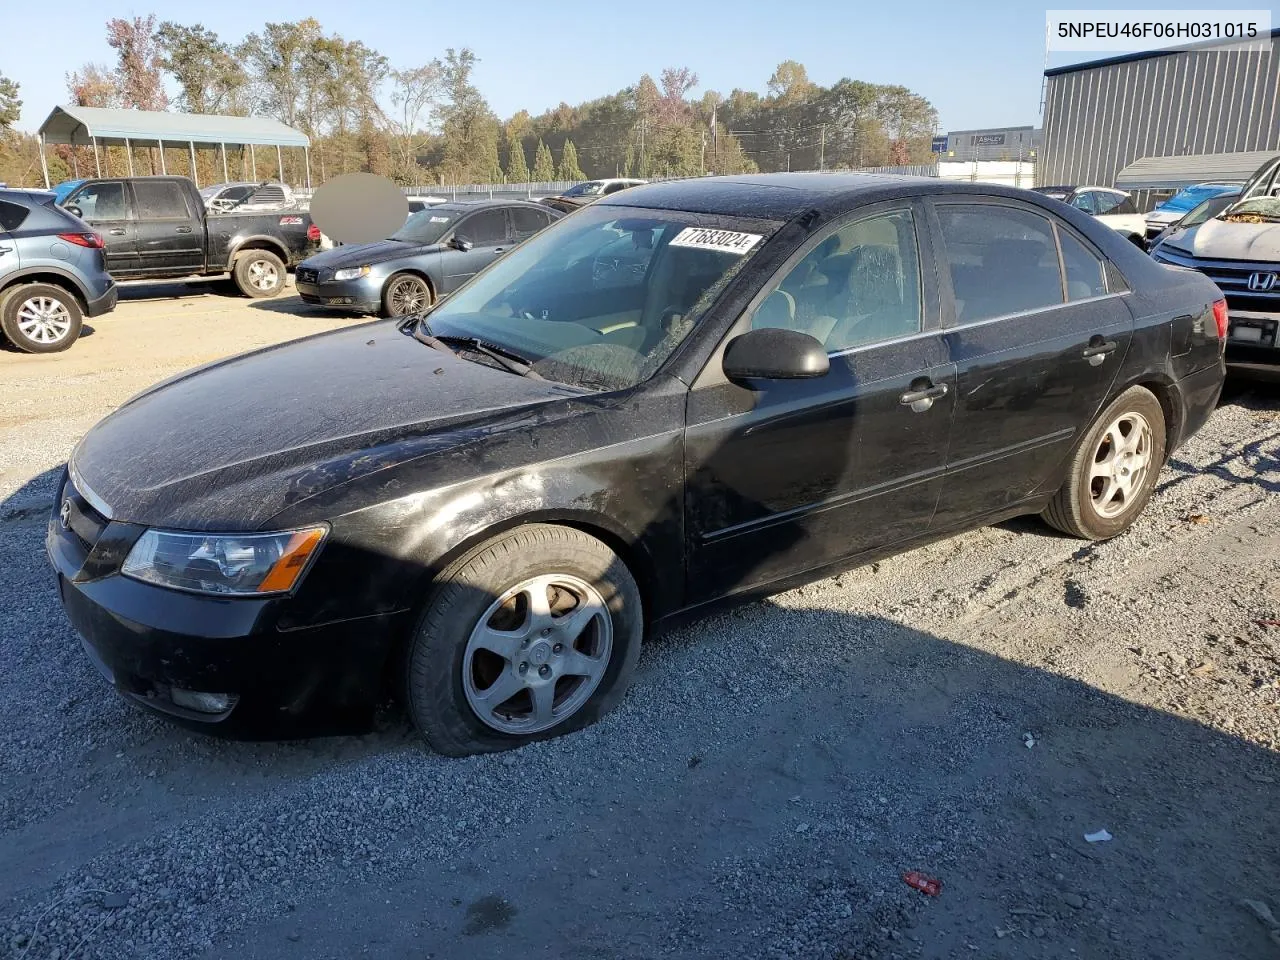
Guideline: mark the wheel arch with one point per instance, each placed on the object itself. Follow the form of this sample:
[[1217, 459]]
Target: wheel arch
[[269, 244], [1165, 389], [418, 272], [53, 277]]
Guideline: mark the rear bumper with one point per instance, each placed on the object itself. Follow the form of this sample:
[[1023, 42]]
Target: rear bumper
[[1199, 394], [347, 295], [103, 304]]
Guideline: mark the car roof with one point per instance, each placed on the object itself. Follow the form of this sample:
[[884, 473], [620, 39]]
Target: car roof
[[466, 206], [782, 196], [18, 195]]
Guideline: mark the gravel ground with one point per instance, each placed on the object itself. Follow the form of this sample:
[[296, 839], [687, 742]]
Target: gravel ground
[[970, 710]]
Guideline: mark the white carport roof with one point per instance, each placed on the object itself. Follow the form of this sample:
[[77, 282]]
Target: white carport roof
[[82, 125], [1174, 173]]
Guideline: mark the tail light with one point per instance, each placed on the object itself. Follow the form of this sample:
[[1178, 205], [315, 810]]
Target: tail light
[[313, 233], [92, 240], [1220, 318]]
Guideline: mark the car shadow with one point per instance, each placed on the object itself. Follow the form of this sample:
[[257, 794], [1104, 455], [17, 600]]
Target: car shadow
[[294, 305]]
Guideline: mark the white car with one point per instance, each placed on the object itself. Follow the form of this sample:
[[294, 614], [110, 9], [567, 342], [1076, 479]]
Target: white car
[[1112, 207], [418, 204], [244, 195], [601, 188]]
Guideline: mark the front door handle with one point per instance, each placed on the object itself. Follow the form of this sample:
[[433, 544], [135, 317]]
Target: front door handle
[[5, 249], [184, 229], [921, 398], [116, 232], [1097, 350]]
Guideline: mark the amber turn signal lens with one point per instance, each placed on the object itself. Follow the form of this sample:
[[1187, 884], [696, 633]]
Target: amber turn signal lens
[[285, 572]]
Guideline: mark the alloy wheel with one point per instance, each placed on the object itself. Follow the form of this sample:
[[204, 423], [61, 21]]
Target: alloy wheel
[[407, 296], [1120, 465], [44, 320], [263, 275], [537, 654]]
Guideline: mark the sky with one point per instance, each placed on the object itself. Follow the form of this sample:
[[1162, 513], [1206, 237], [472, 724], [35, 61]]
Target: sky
[[980, 62]]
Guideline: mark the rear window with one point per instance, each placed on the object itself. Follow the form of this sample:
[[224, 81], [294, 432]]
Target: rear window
[[12, 215]]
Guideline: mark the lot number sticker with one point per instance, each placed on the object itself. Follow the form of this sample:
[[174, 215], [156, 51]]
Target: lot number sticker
[[439, 220], [723, 241]]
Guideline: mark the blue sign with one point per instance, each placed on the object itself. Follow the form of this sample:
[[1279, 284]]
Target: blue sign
[[939, 145]]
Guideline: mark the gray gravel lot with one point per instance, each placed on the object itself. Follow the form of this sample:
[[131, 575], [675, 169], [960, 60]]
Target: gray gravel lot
[[760, 791]]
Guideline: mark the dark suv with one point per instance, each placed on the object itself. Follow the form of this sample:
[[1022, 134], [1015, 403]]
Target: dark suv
[[53, 273]]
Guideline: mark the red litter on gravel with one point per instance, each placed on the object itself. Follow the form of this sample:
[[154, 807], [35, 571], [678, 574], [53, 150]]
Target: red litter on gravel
[[923, 882]]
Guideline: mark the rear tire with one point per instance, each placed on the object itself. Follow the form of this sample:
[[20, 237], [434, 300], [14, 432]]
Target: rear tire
[[562, 665], [40, 317], [1113, 470], [405, 293], [259, 274]]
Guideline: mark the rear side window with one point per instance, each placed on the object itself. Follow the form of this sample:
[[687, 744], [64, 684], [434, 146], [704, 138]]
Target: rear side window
[[12, 215], [525, 222], [1003, 260], [160, 200], [1084, 270], [1111, 202]]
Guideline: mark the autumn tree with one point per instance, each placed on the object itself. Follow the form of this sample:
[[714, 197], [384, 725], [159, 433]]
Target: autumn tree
[[544, 168], [517, 167], [469, 127], [94, 85], [211, 77], [10, 105], [569, 169], [415, 97], [139, 62]]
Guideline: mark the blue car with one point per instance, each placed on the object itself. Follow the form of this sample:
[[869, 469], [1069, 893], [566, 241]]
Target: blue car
[[63, 189], [1183, 202]]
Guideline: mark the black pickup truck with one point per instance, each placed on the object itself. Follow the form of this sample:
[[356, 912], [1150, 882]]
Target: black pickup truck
[[157, 228]]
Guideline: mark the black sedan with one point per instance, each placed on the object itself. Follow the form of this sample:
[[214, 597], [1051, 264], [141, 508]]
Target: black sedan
[[684, 394], [434, 253]]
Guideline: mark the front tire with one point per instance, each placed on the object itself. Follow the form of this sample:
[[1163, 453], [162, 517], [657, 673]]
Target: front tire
[[405, 293], [530, 635], [1114, 469], [259, 274], [40, 317]]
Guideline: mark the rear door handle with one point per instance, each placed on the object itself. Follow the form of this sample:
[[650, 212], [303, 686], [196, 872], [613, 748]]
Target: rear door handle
[[184, 229], [921, 399], [5, 249], [116, 232], [1097, 350]]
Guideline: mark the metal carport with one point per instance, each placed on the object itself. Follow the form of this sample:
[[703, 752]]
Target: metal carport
[[1174, 173], [94, 126]]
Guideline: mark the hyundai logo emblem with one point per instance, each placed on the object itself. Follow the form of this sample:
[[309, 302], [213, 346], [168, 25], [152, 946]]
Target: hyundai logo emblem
[[1263, 282], [64, 514]]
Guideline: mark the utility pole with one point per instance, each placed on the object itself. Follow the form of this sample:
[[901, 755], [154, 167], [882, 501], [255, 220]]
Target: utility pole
[[715, 142], [702, 161], [822, 149]]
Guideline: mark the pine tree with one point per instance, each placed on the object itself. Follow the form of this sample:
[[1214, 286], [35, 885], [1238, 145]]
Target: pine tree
[[569, 169], [544, 168], [517, 167]]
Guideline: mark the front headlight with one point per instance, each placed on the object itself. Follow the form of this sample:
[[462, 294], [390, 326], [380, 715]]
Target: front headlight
[[225, 564], [350, 273]]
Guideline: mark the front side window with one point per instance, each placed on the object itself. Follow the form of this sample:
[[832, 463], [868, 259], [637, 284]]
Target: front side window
[[1084, 201], [602, 298], [1002, 259], [100, 201], [485, 227], [160, 200], [859, 285], [1105, 202]]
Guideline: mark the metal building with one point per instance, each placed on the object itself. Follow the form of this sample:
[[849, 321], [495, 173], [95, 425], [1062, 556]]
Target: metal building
[[1102, 116]]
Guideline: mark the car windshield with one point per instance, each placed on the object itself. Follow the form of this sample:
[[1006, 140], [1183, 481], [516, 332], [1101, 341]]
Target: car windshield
[[1187, 199], [1254, 210], [1206, 210], [592, 188], [602, 298], [209, 192], [425, 226]]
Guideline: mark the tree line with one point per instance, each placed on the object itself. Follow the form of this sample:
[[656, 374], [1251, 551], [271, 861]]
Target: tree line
[[428, 124]]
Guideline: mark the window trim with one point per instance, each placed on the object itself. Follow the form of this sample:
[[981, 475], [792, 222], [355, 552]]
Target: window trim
[[137, 205], [950, 322], [1058, 230]]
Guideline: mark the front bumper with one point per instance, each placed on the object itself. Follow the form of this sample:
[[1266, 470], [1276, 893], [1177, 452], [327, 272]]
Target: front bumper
[[103, 304], [1253, 338], [148, 641], [363, 294]]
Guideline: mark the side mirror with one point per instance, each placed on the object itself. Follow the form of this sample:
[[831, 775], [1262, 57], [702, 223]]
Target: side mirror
[[461, 243], [774, 354], [75, 211]]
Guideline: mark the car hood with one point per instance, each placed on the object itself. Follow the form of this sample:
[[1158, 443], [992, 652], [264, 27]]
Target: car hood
[[1219, 240], [362, 254], [230, 445]]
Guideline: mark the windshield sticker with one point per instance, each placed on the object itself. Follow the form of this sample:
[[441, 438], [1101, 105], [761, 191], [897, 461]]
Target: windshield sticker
[[439, 220], [724, 241]]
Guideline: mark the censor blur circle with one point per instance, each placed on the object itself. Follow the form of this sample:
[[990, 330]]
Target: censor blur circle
[[359, 208]]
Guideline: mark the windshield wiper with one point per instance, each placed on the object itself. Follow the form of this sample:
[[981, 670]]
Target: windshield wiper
[[507, 359]]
